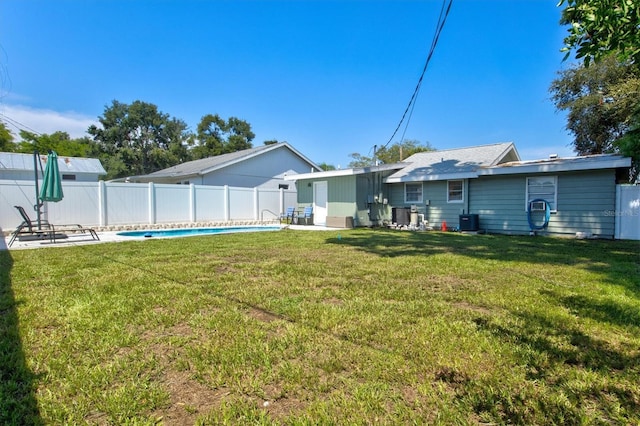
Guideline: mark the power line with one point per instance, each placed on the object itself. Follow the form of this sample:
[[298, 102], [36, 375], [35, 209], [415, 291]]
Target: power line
[[444, 13], [18, 125]]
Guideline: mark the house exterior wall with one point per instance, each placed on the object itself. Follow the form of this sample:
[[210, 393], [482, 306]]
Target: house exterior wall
[[258, 171], [583, 200], [358, 196], [341, 195]]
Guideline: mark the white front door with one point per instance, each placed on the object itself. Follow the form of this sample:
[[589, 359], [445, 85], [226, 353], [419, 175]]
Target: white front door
[[320, 203]]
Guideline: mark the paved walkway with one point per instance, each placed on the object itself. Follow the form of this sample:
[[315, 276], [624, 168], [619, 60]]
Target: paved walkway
[[109, 237]]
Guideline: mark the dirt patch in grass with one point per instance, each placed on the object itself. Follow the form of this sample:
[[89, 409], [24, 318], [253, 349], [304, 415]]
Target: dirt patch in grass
[[279, 405], [188, 399], [474, 308], [262, 315], [282, 408], [333, 301]]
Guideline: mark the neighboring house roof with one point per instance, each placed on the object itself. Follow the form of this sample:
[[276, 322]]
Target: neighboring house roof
[[210, 164], [24, 162], [456, 163], [551, 165], [346, 172]]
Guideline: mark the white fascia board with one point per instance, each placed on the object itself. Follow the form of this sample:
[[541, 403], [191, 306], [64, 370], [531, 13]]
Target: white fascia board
[[320, 175], [556, 167], [427, 178], [345, 172]]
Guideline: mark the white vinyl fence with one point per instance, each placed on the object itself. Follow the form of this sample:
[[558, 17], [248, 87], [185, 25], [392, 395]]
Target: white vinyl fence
[[102, 204], [627, 212]]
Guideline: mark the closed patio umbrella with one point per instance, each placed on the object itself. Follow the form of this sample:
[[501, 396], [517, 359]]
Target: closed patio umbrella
[[51, 182]]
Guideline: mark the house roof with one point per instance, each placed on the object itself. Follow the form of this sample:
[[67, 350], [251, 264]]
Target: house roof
[[550, 165], [346, 172], [209, 164], [456, 163], [24, 162]]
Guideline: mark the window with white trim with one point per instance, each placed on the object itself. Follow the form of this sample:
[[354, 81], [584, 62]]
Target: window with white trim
[[455, 191], [413, 192], [542, 188]]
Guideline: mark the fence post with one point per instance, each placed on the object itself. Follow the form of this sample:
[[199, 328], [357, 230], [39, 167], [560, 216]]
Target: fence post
[[152, 204], [281, 190], [256, 204], [192, 203], [227, 204], [102, 203]]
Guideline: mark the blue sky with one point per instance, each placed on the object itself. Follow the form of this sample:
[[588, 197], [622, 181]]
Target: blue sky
[[330, 77]]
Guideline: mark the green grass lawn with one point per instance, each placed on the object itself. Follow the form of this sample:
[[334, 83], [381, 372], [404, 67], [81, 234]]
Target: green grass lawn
[[298, 327]]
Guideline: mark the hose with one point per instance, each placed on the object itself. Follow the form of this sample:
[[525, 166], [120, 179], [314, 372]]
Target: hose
[[547, 215]]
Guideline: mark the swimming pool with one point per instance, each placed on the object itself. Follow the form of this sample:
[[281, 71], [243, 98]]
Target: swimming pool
[[186, 232]]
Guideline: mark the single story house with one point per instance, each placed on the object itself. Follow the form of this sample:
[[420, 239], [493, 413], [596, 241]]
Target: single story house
[[483, 188], [20, 167], [261, 167]]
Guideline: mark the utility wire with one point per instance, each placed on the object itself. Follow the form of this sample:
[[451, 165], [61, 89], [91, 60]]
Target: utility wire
[[444, 13], [18, 125]]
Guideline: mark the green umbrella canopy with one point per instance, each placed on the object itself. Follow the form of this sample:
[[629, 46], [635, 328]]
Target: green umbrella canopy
[[52, 182]]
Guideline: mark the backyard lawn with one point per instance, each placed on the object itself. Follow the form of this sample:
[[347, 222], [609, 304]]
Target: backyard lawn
[[297, 327]]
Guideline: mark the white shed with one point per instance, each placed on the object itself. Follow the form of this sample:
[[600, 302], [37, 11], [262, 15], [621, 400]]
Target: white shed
[[20, 167]]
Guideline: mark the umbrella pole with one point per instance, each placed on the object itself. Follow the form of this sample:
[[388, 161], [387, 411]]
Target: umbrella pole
[[37, 205]]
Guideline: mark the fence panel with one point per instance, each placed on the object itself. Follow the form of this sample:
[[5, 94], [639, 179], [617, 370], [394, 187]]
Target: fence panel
[[126, 203], [172, 203], [80, 202], [627, 212], [102, 204], [241, 204], [209, 203]]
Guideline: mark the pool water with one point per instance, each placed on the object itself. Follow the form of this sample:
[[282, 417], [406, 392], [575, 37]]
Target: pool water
[[185, 232]]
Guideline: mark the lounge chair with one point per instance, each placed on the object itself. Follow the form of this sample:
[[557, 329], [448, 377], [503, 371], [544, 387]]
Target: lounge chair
[[306, 216], [46, 229], [288, 215]]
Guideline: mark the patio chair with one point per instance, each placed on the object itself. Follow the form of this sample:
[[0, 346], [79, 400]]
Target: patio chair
[[288, 215], [306, 216], [46, 229], [27, 227]]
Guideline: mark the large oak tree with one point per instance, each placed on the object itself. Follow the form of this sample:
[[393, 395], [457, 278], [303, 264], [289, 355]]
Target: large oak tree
[[139, 139]]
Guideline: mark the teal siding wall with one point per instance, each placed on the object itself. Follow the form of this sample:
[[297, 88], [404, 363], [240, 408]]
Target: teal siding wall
[[372, 211], [499, 202], [583, 199], [439, 209], [305, 192], [341, 196]]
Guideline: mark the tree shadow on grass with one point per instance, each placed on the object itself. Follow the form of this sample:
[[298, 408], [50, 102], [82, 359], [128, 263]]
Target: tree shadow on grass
[[18, 405], [618, 262], [553, 351]]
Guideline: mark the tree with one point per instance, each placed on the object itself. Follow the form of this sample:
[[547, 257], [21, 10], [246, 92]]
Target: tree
[[395, 153], [602, 101], [138, 139], [6, 139], [400, 151], [358, 160], [326, 167], [60, 142], [216, 136], [599, 27]]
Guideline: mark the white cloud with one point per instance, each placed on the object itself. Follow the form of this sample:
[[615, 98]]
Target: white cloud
[[45, 121]]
